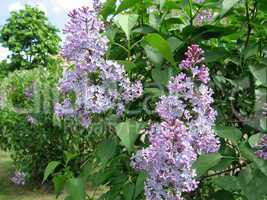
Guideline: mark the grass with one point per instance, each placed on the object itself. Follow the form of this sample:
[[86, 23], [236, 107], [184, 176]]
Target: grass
[[9, 191]]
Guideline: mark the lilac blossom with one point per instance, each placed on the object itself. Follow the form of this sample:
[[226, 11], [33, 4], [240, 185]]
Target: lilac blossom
[[262, 152], [19, 178], [31, 120], [204, 17], [92, 85], [186, 131]]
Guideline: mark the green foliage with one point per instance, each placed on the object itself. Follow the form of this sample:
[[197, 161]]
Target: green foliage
[[30, 38]]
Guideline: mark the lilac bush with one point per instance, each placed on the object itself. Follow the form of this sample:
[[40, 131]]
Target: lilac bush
[[98, 85], [185, 132]]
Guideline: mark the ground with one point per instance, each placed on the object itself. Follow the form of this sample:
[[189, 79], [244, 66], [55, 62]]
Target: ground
[[8, 191]]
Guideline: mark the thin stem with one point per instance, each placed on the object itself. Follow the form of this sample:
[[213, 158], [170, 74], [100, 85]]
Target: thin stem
[[124, 48], [227, 170], [129, 50], [137, 43], [191, 13], [248, 23]]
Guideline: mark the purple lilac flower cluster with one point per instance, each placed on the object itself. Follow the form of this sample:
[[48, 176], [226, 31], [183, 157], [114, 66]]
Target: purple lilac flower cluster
[[19, 178], [262, 153], [99, 85], [185, 132]]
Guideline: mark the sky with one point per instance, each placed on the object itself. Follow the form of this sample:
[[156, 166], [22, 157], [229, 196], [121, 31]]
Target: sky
[[56, 10]]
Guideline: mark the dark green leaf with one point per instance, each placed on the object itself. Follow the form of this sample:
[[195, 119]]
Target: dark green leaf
[[50, 169], [125, 4], [106, 150], [108, 8], [229, 183]]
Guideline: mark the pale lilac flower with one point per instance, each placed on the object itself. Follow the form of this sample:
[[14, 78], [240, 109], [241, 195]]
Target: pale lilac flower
[[186, 132], [19, 178], [204, 17], [94, 85], [262, 152], [31, 120], [199, 1]]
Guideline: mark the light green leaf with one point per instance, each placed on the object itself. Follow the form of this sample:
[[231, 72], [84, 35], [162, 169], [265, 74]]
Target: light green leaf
[[229, 132], [205, 162], [174, 43], [76, 189], [59, 183], [127, 22], [254, 139], [154, 21], [263, 123], [227, 5], [50, 168], [128, 132], [260, 73], [153, 55], [161, 45]]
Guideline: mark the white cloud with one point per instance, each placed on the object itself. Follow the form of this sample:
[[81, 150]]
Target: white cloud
[[41, 7], [18, 6], [69, 4], [3, 53], [15, 6]]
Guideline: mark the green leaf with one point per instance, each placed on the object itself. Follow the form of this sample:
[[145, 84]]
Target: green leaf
[[253, 183], [108, 8], [263, 123], [139, 186], [59, 183], [76, 189], [70, 156], [154, 21], [162, 3], [215, 55], [254, 139], [125, 4], [231, 133], [223, 195], [227, 5], [128, 132], [153, 55], [205, 162], [259, 71], [174, 43], [127, 22], [106, 150], [128, 191], [161, 45], [50, 168], [161, 76], [249, 154], [228, 183]]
